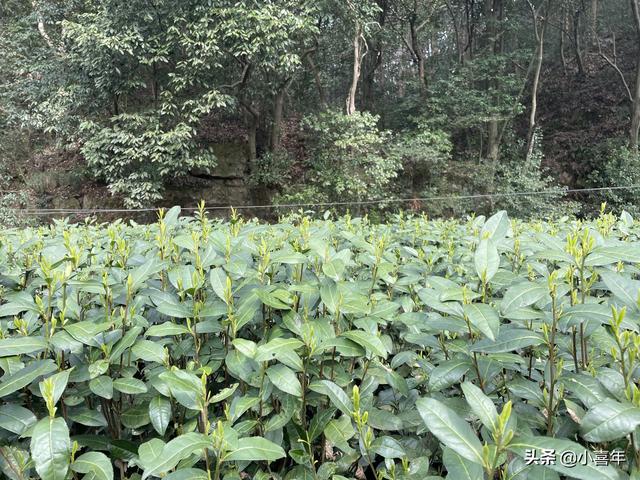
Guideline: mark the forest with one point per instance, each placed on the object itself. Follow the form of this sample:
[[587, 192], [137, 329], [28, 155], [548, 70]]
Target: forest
[[126, 104]]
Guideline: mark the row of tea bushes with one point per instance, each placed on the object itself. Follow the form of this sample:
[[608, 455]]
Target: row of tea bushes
[[321, 349]]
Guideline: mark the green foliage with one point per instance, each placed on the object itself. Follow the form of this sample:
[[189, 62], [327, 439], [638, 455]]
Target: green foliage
[[10, 206], [272, 169], [508, 178], [486, 88], [615, 165], [318, 349], [424, 155], [515, 174], [347, 157], [136, 153], [12, 200]]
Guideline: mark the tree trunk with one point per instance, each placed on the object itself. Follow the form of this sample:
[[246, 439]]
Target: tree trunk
[[577, 42], [278, 109], [539, 32], [635, 114], [42, 29], [456, 28], [418, 54], [373, 60], [635, 109], [252, 131], [493, 146], [368, 80], [593, 13], [563, 29], [494, 8], [357, 66], [322, 95]]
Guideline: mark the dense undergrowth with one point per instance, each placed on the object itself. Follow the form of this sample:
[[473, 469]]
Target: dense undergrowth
[[417, 349]]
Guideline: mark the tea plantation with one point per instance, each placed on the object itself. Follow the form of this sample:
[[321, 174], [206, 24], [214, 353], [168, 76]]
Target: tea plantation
[[321, 349]]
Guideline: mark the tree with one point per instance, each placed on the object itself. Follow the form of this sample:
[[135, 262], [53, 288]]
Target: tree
[[539, 27], [635, 108]]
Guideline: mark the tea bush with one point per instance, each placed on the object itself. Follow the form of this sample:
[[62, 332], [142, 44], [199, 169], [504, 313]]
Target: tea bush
[[320, 349]]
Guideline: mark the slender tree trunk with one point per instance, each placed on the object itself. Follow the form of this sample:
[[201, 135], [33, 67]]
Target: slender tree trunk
[[493, 136], [418, 55], [252, 130], [357, 67], [493, 147], [563, 29], [635, 109], [373, 60], [469, 30], [322, 95], [539, 32], [368, 81], [278, 109], [41, 27], [593, 13], [577, 42], [635, 114], [456, 28]]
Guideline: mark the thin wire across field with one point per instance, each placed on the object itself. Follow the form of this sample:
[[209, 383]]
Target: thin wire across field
[[87, 211]]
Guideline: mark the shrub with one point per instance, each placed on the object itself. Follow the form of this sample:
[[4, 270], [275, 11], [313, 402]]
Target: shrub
[[616, 165], [423, 154], [272, 170], [135, 154], [516, 174], [347, 157]]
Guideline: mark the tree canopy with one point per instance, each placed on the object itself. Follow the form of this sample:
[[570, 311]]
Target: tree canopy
[[348, 100]]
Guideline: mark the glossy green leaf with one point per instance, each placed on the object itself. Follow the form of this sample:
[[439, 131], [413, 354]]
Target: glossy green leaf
[[484, 318], [177, 449], [96, 463], [132, 386], [16, 419], [160, 413], [460, 468], [21, 345], [24, 377], [369, 341], [51, 448], [486, 259], [609, 420], [102, 386], [448, 373], [338, 398], [481, 405], [450, 429], [253, 449], [284, 379]]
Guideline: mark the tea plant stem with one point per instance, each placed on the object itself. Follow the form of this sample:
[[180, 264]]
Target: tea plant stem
[[583, 294], [574, 352], [204, 417], [476, 367], [303, 382], [625, 375], [552, 363], [216, 473]]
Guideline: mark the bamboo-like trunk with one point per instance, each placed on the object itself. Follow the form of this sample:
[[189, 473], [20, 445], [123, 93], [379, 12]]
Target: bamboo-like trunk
[[357, 66]]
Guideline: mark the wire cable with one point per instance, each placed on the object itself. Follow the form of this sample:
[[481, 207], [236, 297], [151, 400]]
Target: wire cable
[[88, 211]]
